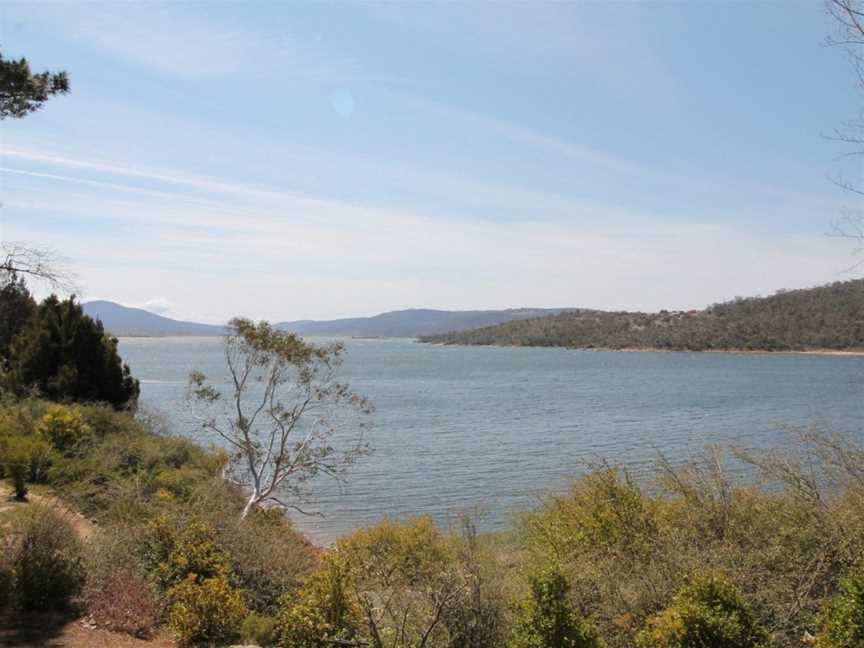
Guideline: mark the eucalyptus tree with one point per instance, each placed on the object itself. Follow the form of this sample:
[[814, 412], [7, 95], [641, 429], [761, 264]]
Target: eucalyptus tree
[[283, 414]]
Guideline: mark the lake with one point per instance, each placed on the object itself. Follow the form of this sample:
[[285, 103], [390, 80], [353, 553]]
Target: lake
[[486, 429]]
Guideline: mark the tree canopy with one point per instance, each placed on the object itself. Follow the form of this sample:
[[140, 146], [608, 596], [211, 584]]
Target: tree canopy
[[16, 308], [23, 92], [65, 355]]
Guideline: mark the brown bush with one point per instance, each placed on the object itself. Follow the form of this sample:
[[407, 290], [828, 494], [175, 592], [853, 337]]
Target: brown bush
[[122, 602], [117, 594]]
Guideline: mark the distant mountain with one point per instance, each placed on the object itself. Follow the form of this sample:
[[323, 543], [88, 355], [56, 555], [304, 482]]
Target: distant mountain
[[122, 320], [821, 318], [414, 322]]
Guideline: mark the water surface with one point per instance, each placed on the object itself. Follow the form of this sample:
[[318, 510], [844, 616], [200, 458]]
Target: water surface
[[467, 429]]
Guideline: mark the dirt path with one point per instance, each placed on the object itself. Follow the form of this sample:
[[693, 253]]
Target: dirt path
[[65, 631], [84, 527], [59, 630]]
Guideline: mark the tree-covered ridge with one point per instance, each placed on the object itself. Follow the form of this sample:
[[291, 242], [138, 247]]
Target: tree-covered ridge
[[825, 317]]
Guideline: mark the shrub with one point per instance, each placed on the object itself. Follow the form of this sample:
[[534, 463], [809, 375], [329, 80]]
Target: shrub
[[116, 594], [319, 613], [477, 619], [604, 512], [121, 601], [46, 559], [171, 556], [841, 623], [18, 417], [708, 612], [259, 629], [405, 578], [25, 459], [7, 577], [65, 428], [548, 618], [205, 611], [7, 582], [268, 557], [17, 467]]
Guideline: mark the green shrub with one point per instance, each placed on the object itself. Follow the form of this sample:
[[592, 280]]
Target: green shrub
[[477, 619], [259, 629], [605, 512], [20, 415], [26, 460], [708, 612], [319, 613], [417, 568], [7, 577], [65, 428], [268, 557], [18, 471], [7, 582], [205, 611], [171, 555], [105, 421], [46, 559], [841, 623], [548, 618]]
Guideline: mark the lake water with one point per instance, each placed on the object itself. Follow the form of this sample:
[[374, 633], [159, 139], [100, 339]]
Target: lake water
[[485, 429]]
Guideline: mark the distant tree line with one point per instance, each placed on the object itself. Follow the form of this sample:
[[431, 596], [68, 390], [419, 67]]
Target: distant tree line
[[826, 317]]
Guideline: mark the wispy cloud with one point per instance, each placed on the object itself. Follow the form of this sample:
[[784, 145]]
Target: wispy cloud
[[327, 258], [519, 134], [170, 39]]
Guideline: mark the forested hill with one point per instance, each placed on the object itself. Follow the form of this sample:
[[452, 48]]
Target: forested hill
[[826, 317]]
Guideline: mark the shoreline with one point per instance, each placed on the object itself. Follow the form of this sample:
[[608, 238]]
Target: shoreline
[[820, 352]]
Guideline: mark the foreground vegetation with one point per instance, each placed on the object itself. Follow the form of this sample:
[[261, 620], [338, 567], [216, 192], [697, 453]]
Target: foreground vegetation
[[692, 557], [827, 317]]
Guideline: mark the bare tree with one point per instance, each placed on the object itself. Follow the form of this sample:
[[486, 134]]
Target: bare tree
[[40, 263], [283, 409], [848, 16]]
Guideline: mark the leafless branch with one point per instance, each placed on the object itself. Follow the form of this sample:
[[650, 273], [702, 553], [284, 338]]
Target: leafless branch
[[39, 263]]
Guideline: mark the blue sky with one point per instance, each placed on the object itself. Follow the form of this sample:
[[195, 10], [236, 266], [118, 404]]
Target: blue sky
[[317, 160]]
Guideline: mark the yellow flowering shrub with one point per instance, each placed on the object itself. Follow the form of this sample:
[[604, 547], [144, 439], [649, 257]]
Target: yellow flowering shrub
[[205, 611], [65, 428]]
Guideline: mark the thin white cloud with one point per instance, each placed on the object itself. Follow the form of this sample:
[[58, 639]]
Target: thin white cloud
[[519, 134], [113, 168], [353, 260], [177, 40]]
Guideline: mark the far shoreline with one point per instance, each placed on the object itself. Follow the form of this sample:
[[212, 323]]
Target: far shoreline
[[856, 352], [820, 352]]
